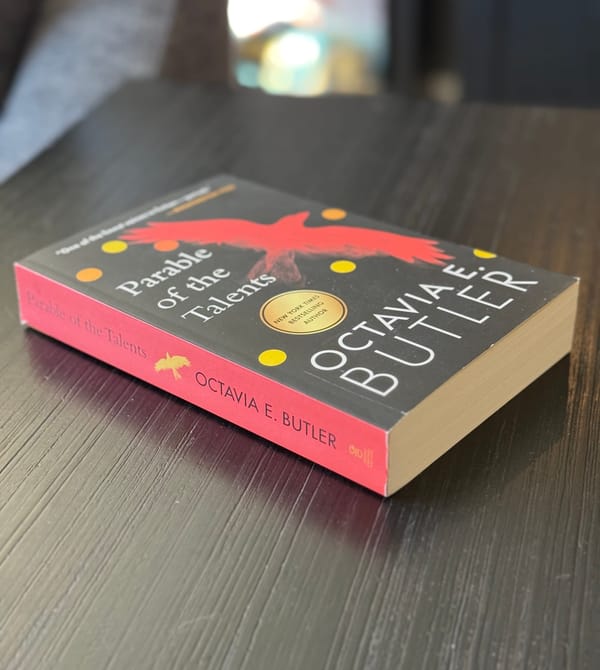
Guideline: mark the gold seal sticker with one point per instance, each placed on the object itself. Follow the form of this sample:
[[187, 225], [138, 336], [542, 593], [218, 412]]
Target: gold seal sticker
[[303, 312]]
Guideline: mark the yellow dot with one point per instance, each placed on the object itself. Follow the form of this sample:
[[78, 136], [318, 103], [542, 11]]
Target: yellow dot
[[114, 246], [272, 357], [333, 214], [480, 253], [342, 267], [89, 274], [166, 245]]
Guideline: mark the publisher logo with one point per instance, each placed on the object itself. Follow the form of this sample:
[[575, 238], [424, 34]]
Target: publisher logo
[[363, 454], [303, 312]]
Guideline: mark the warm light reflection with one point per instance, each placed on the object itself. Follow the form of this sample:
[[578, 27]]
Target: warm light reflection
[[249, 17], [309, 47], [291, 64], [292, 50]]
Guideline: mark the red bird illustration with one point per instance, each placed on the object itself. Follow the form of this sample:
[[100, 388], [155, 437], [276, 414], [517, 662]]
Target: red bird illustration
[[282, 240]]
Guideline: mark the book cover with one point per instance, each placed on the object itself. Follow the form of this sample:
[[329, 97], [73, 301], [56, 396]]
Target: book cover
[[320, 330]]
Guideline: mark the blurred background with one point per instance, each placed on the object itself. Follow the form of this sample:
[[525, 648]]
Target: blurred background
[[59, 58]]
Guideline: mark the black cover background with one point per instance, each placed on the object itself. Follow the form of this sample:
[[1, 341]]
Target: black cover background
[[240, 335]]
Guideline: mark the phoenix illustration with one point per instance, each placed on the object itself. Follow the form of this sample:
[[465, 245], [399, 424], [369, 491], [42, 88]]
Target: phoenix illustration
[[281, 241], [172, 363]]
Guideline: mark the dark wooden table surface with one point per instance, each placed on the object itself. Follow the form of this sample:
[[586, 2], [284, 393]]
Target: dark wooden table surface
[[137, 531]]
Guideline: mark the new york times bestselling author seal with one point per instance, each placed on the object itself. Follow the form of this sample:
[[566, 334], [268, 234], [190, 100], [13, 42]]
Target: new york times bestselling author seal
[[288, 419]]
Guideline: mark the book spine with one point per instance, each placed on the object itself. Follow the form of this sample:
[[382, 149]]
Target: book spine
[[308, 427]]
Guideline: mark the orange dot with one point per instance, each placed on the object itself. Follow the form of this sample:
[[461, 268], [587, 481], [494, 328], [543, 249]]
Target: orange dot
[[89, 274], [166, 245], [333, 214]]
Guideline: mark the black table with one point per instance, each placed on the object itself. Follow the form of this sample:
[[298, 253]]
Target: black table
[[137, 531]]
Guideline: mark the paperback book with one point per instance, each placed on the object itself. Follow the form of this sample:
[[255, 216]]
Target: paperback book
[[366, 348]]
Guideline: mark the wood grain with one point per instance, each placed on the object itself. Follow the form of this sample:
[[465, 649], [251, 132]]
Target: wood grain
[[137, 531]]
